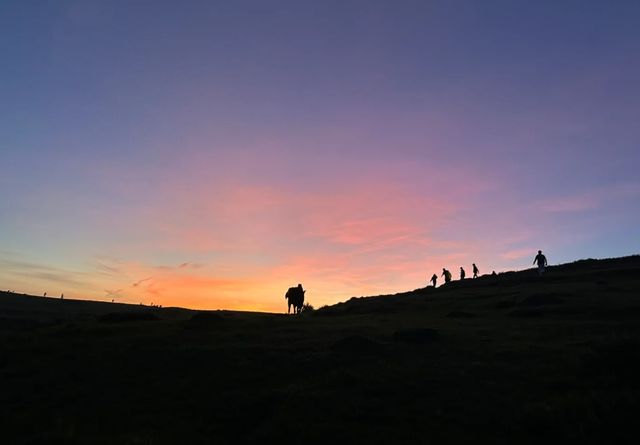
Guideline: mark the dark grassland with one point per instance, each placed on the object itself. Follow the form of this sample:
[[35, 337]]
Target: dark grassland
[[512, 359]]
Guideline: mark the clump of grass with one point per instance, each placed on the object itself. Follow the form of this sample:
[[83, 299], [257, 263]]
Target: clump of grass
[[307, 307]]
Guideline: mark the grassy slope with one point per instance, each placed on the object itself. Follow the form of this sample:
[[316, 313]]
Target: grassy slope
[[517, 359]]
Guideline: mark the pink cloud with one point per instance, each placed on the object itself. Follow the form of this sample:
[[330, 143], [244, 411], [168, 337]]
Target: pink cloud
[[356, 240], [591, 199], [570, 204], [240, 242], [517, 254]]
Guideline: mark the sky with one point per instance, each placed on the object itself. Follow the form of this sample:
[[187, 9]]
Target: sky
[[211, 154]]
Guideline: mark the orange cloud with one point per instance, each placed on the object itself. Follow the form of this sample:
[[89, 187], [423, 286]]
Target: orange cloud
[[240, 245]]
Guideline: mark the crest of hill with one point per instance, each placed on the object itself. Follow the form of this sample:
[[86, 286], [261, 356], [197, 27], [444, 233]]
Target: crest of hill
[[507, 290], [462, 299], [43, 310]]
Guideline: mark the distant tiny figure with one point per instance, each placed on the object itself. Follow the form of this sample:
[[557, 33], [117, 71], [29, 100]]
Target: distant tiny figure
[[475, 271], [295, 298], [434, 278], [542, 262], [45, 294], [462, 273], [446, 274], [62, 296], [494, 274]]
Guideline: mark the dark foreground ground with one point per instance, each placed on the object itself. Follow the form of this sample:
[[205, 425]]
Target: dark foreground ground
[[514, 360]]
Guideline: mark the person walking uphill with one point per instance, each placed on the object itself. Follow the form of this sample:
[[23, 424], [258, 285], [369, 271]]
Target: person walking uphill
[[462, 273], [446, 274], [542, 262], [475, 271]]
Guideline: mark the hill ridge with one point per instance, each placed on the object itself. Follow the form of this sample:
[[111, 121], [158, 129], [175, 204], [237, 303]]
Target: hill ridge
[[621, 265]]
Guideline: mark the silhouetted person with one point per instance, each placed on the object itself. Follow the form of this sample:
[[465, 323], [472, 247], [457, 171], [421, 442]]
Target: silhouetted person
[[446, 274], [434, 278], [462, 273], [45, 294], [494, 274], [475, 271], [62, 296], [542, 262]]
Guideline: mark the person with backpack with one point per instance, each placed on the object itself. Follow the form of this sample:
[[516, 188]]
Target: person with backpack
[[434, 278], [462, 274], [446, 274]]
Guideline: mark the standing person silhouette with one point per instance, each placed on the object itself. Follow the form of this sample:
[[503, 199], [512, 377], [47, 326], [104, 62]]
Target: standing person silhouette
[[475, 271], [542, 262], [462, 273], [446, 274], [434, 278]]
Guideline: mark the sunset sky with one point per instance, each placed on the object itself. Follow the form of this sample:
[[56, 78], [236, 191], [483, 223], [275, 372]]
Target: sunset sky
[[210, 154]]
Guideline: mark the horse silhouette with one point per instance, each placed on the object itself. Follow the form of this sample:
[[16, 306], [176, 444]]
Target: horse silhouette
[[295, 298]]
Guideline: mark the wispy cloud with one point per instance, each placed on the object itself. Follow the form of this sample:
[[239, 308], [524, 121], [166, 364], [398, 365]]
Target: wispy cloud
[[570, 204], [113, 294], [33, 275], [517, 254], [107, 266], [191, 266], [357, 236], [139, 282], [591, 199]]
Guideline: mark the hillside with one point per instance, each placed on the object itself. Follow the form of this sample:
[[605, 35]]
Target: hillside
[[507, 359]]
